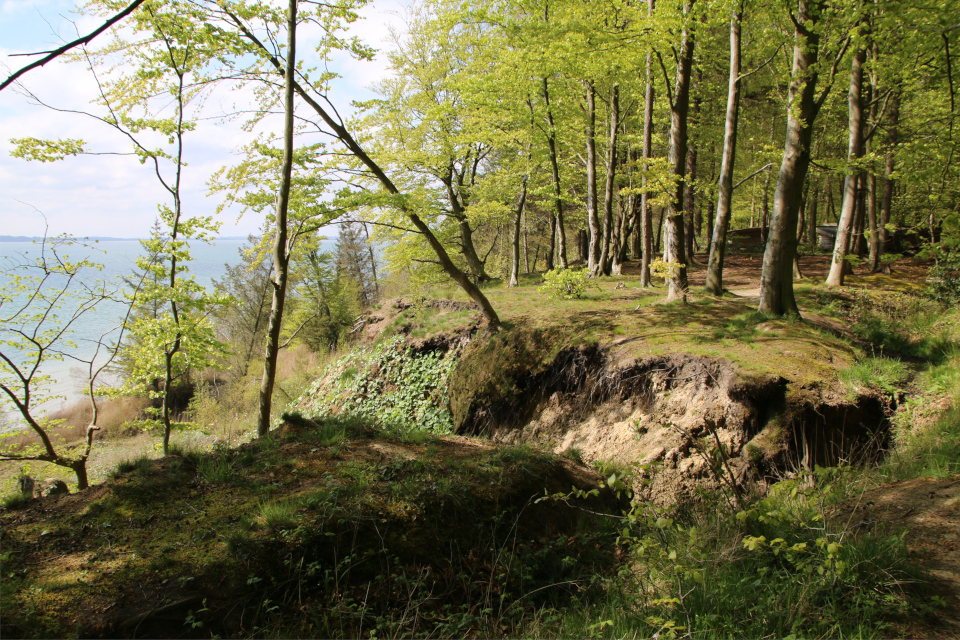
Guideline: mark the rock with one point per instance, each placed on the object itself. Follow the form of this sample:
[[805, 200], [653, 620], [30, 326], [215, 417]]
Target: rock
[[50, 488]]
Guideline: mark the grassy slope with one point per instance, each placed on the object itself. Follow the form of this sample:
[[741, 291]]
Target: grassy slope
[[359, 532]]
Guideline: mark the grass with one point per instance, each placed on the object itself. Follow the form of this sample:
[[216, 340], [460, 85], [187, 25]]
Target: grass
[[448, 542], [887, 375]]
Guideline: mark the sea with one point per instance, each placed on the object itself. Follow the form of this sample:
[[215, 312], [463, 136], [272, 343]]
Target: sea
[[118, 258]]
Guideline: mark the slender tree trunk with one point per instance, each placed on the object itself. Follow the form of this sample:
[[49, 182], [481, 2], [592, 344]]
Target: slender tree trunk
[[518, 218], [874, 240], [175, 312], [677, 157], [467, 247], [603, 264], [689, 204], [831, 203], [551, 244], [776, 278], [797, 273], [280, 253], [888, 181], [718, 241], [526, 251], [555, 169], [646, 215], [854, 152], [660, 226], [765, 210], [593, 220], [812, 217]]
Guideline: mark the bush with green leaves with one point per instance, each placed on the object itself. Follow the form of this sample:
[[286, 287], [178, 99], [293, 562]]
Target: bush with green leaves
[[389, 385], [565, 284], [945, 278]]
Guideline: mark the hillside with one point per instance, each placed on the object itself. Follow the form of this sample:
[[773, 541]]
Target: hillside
[[755, 450]]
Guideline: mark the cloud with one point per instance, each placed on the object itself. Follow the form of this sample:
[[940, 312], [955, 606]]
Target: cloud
[[113, 195]]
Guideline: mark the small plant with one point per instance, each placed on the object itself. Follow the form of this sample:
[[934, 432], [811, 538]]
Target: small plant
[[564, 284], [663, 268], [14, 501], [139, 464]]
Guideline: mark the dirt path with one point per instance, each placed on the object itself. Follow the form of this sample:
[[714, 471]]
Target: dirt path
[[928, 510]]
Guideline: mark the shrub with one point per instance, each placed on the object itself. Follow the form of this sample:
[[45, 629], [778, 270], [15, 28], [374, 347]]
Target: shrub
[[945, 278], [565, 284]]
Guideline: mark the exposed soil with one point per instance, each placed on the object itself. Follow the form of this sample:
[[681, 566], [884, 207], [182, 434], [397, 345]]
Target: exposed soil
[[666, 413]]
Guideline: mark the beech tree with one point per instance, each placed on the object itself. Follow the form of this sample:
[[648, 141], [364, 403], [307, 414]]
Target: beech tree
[[43, 297]]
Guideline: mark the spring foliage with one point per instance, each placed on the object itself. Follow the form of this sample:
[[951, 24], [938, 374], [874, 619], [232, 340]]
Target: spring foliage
[[389, 385]]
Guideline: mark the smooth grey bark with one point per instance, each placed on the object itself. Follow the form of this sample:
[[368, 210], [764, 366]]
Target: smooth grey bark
[[677, 158], [854, 152], [888, 182], [689, 205], [718, 240], [555, 170], [518, 217], [281, 255], [609, 185], [646, 215], [593, 221], [776, 279]]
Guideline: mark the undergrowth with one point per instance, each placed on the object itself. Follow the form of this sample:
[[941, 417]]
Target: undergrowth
[[783, 567], [389, 385]]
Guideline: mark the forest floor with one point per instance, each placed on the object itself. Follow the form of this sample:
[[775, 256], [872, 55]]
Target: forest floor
[[925, 512]]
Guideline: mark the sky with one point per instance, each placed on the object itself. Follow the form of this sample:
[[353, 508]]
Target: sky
[[114, 195]]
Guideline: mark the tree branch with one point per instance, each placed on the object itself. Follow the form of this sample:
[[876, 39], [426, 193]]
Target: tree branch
[[70, 45]]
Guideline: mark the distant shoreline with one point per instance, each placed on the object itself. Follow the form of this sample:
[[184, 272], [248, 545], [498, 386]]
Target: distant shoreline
[[97, 238]]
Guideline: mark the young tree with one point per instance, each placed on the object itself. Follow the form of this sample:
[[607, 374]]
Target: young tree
[[42, 300]]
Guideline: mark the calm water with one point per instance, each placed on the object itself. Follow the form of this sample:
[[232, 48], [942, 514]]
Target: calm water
[[118, 259]]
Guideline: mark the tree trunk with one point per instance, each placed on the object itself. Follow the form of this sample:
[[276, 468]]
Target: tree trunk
[[854, 152], [812, 217], [689, 204], [677, 158], [593, 221], [888, 182], [718, 241], [550, 245], [467, 247], [646, 215], [518, 218], [555, 169], [776, 278], [603, 264], [831, 205], [765, 210], [280, 253]]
